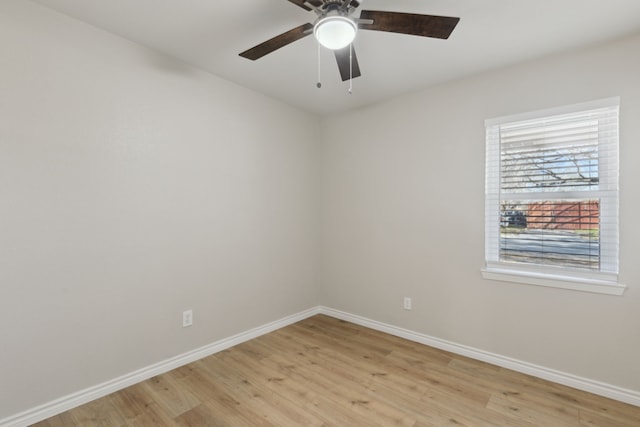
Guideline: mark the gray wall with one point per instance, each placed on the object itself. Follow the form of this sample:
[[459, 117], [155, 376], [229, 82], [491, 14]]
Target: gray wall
[[133, 187], [403, 215]]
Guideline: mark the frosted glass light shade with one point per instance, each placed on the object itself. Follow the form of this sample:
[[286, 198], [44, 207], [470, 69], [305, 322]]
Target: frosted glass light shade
[[335, 32]]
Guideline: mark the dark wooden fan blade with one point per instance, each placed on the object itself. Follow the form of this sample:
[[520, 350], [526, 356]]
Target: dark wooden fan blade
[[345, 64], [439, 27], [277, 42], [301, 3]]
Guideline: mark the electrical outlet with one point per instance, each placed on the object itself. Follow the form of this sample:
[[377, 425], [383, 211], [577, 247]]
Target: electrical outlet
[[187, 318], [407, 303]]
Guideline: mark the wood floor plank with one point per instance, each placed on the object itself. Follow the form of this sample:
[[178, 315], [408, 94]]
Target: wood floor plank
[[215, 396], [385, 372], [166, 392], [327, 372], [284, 379], [256, 396], [383, 377], [518, 407], [204, 416], [598, 419]]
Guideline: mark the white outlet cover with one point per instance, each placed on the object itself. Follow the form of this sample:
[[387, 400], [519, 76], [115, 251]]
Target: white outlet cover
[[187, 318]]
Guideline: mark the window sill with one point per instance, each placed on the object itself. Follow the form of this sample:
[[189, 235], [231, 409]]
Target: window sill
[[554, 281]]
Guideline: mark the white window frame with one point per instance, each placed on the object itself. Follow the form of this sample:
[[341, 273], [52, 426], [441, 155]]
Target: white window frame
[[604, 281]]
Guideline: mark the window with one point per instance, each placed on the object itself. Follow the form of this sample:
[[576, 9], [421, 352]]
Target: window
[[551, 214]]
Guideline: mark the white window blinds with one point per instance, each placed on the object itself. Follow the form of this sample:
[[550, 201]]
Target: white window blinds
[[552, 191]]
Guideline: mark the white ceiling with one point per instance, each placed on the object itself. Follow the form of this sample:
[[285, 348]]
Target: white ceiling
[[492, 33]]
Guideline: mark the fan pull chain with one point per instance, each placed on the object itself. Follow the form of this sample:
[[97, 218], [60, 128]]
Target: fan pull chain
[[319, 84], [350, 68]]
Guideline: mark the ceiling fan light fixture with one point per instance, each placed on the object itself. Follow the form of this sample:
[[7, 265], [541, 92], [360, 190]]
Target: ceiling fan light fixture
[[335, 32]]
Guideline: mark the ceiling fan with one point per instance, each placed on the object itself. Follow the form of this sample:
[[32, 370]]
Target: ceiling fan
[[336, 28]]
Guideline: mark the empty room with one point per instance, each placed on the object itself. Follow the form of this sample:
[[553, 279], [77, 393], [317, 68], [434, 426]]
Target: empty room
[[319, 213]]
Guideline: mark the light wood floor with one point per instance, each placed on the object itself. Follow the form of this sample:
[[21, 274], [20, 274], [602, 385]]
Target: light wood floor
[[326, 372]]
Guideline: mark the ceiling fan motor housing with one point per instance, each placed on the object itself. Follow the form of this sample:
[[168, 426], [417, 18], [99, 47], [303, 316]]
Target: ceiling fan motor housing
[[331, 4]]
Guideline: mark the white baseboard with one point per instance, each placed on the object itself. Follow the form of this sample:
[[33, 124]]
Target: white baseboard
[[584, 384], [71, 401], [84, 396]]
